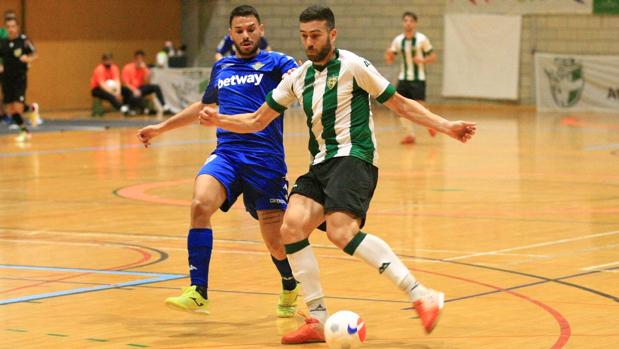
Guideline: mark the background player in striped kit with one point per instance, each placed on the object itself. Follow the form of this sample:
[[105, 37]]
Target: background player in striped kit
[[334, 88], [249, 164], [416, 51]]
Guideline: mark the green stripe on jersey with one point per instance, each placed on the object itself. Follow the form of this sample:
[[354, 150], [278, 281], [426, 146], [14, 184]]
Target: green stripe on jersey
[[308, 96], [360, 132], [403, 47], [329, 107], [415, 65]]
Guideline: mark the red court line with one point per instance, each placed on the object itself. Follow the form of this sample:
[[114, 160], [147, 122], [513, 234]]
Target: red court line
[[564, 326], [572, 121], [145, 257], [138, 192]]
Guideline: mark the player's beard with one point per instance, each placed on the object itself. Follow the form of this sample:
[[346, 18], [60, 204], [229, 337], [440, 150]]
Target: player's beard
[[246, 52], [320, 55]]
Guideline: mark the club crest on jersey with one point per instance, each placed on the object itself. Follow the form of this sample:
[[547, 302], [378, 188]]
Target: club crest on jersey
[[258, 65], [17, 52], [331, 82]]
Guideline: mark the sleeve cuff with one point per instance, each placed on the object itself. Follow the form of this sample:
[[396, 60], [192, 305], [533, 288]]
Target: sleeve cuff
[[389, 91], [273, 104]]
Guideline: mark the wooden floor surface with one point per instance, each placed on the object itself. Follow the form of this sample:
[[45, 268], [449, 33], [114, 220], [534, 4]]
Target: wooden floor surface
[[520, 229]]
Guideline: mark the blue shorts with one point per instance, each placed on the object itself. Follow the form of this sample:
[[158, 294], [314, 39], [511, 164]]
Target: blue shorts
[[261, 179]]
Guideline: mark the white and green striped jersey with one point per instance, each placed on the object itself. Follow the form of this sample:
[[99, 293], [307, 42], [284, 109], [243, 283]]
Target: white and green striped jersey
[[419, 45], [336, 101]]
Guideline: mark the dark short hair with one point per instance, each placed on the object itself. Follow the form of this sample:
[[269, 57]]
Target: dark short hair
[[139, 53], [10, 19], [107, 55], [318, 13], [9, 14], [244, 11], [410, 14]]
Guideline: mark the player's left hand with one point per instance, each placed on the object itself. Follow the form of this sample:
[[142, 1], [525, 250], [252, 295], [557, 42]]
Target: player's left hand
[[419, 60], [24, 58], [208, 116], [461, 130]]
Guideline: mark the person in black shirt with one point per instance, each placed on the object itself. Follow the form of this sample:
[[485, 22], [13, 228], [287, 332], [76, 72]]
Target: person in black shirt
[[17, 51], [8, 14]]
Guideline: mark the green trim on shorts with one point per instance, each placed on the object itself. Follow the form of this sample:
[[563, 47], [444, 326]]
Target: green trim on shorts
[[389, 91], [354, 243], [296, 246]]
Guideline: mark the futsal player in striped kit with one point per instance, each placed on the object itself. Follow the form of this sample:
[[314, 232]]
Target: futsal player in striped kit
[[416, 52], [334, 88]]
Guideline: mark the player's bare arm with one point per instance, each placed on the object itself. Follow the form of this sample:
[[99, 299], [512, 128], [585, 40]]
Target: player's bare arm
[[184, 118], [431, 58], [414, 111], [241, 123], [389, 56]]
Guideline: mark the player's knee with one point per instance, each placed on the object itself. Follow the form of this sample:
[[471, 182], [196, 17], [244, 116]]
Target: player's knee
[[291, 232], [340, 236], [202, 209]]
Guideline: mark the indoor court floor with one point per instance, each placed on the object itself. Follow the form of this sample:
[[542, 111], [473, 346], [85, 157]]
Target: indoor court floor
[[519, 227]]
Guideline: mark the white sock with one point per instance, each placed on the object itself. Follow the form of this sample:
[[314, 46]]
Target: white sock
[[375, 252], [318, 309], [305, 269]]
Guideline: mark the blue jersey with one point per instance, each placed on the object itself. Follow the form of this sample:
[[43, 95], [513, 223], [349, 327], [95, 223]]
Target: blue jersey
[[226, 45], [240, 86]]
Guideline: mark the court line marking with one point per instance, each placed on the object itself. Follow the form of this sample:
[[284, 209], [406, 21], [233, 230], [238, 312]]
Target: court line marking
[[600, 266], [541, 244], [154, 277], [565, 330], [107, 244], [415, 258]]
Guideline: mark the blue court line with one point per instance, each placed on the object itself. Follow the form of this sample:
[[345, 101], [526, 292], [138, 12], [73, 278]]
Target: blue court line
[[155, 277]]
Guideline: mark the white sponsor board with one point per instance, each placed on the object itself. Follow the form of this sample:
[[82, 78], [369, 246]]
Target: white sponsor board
[[482, 54], [181, 86], [520, 6]]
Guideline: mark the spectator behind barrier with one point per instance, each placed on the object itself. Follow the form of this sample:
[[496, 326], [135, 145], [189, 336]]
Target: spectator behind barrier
[[136, 78], [105, 83]]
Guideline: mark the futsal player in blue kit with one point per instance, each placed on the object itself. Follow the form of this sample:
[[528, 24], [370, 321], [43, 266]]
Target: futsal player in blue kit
[[249, 164]]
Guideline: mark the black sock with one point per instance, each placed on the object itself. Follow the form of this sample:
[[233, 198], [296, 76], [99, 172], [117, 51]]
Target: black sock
[[17, 119], [288, 281], [202, 291]]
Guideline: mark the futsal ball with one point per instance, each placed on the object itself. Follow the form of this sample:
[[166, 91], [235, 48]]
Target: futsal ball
[[344, 330], [111, 84]]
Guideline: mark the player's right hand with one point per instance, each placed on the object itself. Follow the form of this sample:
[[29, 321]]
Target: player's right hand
[[208, 116], [148, 133]]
